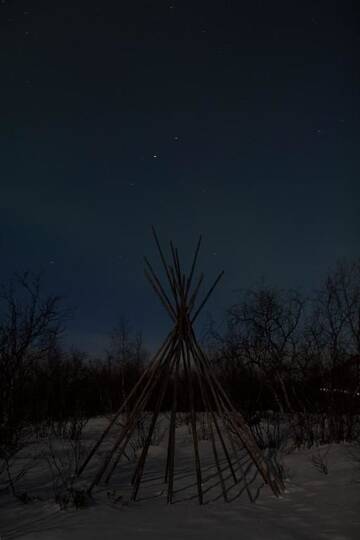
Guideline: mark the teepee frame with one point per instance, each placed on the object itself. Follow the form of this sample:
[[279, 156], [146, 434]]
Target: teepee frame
[[181, 353]]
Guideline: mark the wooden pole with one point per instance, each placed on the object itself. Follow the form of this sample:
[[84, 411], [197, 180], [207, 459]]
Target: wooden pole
[[189, 281], [207, 297], [242, 430], [141, 463], [206, 399], [187, 370], [175, 287], [170, 460], [156, 285], [152, 365], [162, 258], [135, 414], [213, 444], [195, 293]]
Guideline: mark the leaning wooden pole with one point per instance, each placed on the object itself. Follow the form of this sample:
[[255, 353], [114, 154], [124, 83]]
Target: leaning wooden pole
[[149, 370], [216, 457], [206, 400], [193, 266], [240, 427], [212, 288], [138, 407], [169, 467], [137, 411], [188, 376], [141, 463]]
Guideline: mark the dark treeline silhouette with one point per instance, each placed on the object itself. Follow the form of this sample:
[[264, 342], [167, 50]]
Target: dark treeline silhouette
[[279, 351], [299, 356]]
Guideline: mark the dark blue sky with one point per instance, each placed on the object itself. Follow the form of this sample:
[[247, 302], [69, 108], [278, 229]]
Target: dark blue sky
[[237, 120]]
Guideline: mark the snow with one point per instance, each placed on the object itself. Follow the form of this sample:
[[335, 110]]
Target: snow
[[315, 505]]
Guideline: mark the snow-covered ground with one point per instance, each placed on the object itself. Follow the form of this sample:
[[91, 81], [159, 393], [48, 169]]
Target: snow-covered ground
[[314, 506]]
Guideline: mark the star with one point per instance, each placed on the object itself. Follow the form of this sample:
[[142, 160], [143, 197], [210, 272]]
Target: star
[[155, 156]]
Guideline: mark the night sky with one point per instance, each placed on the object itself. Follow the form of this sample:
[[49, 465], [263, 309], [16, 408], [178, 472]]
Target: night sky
[[237, 120]]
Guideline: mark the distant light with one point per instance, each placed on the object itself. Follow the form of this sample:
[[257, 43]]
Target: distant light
[[341, 390]]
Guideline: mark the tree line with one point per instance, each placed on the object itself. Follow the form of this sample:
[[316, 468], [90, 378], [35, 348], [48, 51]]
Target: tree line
[[279, 351]]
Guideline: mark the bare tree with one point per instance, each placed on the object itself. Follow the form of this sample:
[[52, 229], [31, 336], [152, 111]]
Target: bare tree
[[344, 285], [337, 311], [264, 327], [125, 357], [29, 325]]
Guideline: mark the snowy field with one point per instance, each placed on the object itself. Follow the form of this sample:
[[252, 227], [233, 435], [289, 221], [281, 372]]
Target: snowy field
[[315, 505]]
